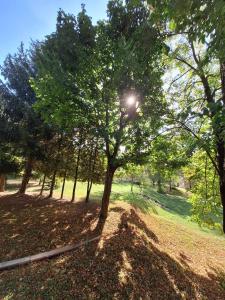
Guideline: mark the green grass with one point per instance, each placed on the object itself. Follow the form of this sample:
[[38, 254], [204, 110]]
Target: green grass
[[174, 207]]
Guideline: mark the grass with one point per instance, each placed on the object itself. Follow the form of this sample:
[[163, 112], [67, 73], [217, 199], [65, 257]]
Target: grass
[[174, 207]]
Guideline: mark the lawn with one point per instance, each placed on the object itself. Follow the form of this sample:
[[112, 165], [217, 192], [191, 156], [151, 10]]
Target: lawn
[[174, 207]]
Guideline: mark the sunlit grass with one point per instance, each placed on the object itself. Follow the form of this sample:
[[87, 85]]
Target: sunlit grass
[[175, 208]]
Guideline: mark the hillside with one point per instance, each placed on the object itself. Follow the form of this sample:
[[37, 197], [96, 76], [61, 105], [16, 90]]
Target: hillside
[[140, 255]]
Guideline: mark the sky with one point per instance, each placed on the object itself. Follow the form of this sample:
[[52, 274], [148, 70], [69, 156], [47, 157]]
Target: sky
[[23, 20]]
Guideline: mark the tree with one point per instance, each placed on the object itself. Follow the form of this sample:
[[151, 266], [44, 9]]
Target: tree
[[205, 198], [202, 25], [8, 164], [17, 98], [128, 76], [116, 82], [92, 164], [8, 132], [167, 157]]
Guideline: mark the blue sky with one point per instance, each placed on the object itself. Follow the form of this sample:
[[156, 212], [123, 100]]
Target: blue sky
[[23, 20]]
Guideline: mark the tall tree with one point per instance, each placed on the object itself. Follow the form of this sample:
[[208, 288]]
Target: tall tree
[[111, 85], [201, 24], [18, 98]]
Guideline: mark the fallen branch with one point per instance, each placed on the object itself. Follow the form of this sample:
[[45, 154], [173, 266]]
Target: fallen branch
[[48, 254]]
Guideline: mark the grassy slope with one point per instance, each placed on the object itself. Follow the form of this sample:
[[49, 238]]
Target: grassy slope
[[179, 209]]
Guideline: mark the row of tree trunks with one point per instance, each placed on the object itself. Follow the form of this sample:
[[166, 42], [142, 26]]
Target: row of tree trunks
[[26, 175], [2, 182]]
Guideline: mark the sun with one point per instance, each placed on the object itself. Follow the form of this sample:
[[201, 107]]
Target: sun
[[131, 100]]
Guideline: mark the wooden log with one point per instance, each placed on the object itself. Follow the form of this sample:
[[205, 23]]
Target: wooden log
[[48, 254]]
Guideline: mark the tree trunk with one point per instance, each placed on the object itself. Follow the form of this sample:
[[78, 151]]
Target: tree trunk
[[159, 185], [132, 184], [90, 179], [52, 185], [2, 183], [221, 149], [63, 186], [170, 186], [220, 162], [74, 188], [76, 175], [26, 175], [190, 185], [43, 185], [107, 191], [222, 197], [89, 186]]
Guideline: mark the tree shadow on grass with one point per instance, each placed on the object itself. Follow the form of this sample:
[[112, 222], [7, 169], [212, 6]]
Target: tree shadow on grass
[[136, 200], [14, 185], [127, 264], [176, 204], [31, 224], [133, 267]]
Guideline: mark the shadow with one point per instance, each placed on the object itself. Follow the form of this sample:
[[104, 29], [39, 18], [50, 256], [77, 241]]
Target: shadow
[[133, 219], [134, 199], [176, 204], [127, 263], [177, 192], [218, 275], [14, 185], [40, 224]]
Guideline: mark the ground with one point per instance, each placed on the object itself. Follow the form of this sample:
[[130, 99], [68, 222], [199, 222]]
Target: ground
[[141, 255]]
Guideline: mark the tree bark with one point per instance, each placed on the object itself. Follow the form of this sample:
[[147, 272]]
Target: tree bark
[[26, 175], [43, 184], [2, 182], [221, 161], [52, 185], [63, 186], [89, 186], [76, 175], [159, 185], [132, 184], [107, 191], [90, 179], [170, 185]]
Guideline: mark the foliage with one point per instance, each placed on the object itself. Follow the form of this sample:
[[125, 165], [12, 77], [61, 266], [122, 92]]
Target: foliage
[[166, 159], [195, 30], [119, 68], [17, 97], [205, 198]]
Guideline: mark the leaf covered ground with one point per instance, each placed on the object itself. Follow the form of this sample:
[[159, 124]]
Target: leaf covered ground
[[140, 256]]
